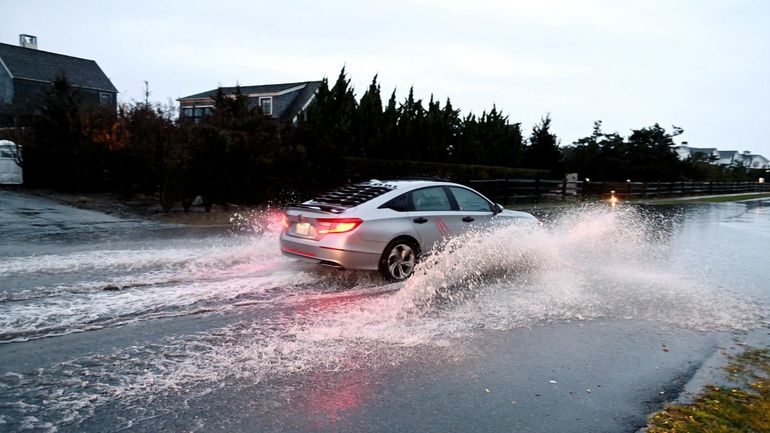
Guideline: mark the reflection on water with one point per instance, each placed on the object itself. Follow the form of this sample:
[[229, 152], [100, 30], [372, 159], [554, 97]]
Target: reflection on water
[[324, 408], [725, 243]]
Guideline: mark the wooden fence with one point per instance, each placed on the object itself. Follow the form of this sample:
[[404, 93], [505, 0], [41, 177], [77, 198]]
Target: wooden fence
[[509, 191]]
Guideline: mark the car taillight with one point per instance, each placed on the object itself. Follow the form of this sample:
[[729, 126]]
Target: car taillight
[[284, 221], [337, 225]]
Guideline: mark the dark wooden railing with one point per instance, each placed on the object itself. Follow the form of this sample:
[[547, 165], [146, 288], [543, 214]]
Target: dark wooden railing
[[510, 191]]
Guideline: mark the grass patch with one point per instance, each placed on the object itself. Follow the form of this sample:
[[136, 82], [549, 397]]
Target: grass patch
[[709, 199], [743, 408]]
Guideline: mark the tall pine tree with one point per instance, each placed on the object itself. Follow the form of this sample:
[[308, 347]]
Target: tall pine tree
[[543, 151]]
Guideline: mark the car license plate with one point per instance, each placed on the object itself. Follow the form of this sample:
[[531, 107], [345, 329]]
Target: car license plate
[[302, 229]]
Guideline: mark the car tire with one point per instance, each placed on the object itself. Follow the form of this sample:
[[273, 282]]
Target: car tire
[[399, 258]]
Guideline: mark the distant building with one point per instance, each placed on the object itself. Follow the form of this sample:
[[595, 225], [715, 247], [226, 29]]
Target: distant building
[[26, 75], [756, 161], [684, 152], [722, 158], [731, 158], [282, 102]]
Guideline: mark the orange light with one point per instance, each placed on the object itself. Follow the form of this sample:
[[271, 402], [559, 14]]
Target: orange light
[[337, 225]]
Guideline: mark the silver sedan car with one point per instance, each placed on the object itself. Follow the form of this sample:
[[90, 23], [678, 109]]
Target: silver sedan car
[[385, 225]]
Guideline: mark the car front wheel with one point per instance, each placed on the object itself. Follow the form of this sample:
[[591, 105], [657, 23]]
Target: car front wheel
[[398, 259]]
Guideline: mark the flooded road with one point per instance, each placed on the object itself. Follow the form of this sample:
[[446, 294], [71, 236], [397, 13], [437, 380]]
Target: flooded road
[[586, 324]]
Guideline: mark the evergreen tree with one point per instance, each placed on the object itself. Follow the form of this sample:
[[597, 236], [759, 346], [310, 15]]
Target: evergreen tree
[[502, 140], [411, 115], [650, 150], [645, 156], [543, 151], [369, 121], [342, 111], [469, 144], [390, 138], [64, 154], [452, 124], [437, 133], [583, 156], [230, 109], [152, 160], [250, 141]]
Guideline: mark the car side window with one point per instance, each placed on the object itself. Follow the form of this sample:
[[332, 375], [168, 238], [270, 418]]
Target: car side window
[[398, 204], [468, 200], [430, 199]]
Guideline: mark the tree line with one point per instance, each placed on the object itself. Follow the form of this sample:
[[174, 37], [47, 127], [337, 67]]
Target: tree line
[[238, 154]]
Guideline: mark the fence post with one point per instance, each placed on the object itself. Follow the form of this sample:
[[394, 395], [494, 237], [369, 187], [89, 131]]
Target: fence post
[[563, 189]]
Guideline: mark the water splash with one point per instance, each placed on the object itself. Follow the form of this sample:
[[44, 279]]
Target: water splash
[[588, 263]]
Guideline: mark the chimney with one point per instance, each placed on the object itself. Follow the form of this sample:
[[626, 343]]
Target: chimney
[[28, 41]]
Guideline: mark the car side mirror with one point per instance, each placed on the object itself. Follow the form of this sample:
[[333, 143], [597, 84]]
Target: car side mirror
[[498, 208]]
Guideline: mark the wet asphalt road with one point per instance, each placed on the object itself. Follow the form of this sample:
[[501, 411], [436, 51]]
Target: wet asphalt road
[[211, 331]]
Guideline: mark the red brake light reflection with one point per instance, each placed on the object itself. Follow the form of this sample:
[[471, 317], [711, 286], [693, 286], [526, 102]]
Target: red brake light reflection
[[337, 225]]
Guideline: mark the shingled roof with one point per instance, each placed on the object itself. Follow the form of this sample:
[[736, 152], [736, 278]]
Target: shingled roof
[[32, 64], [260, 89], [303, 98], [288, 98]]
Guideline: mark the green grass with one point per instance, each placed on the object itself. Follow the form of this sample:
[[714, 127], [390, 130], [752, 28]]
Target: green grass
[[742, 408]]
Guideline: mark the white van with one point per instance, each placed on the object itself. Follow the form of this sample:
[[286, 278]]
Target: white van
[[10, 170]]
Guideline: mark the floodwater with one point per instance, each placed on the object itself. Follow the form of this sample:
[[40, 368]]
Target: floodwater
[[109, 324]]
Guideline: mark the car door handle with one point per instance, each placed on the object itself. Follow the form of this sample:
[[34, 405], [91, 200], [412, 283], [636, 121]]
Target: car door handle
[[420, 220], [469, 219]]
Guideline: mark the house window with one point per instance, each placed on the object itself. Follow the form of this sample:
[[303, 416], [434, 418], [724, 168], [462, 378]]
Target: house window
[[187, 112], [266, 104], [105, 98]]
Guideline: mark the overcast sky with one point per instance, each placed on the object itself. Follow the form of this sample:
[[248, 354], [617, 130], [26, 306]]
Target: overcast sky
[[702, 65]]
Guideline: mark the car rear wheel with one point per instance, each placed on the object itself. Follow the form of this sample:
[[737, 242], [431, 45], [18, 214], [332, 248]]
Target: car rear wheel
[[398, 259]]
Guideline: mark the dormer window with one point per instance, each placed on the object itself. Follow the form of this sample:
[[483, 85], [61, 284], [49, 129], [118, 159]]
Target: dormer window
[[266, 104]]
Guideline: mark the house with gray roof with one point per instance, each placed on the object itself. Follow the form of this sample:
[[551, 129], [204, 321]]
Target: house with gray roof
[[27, 74], [685, 152], [722, 158], [755, 161], [283, 102], [731, 158]]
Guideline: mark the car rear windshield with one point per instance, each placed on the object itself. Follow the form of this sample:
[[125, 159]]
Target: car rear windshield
[[353, 195]]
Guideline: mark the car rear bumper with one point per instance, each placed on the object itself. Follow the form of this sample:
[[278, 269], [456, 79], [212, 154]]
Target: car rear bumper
[[335, 256]]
